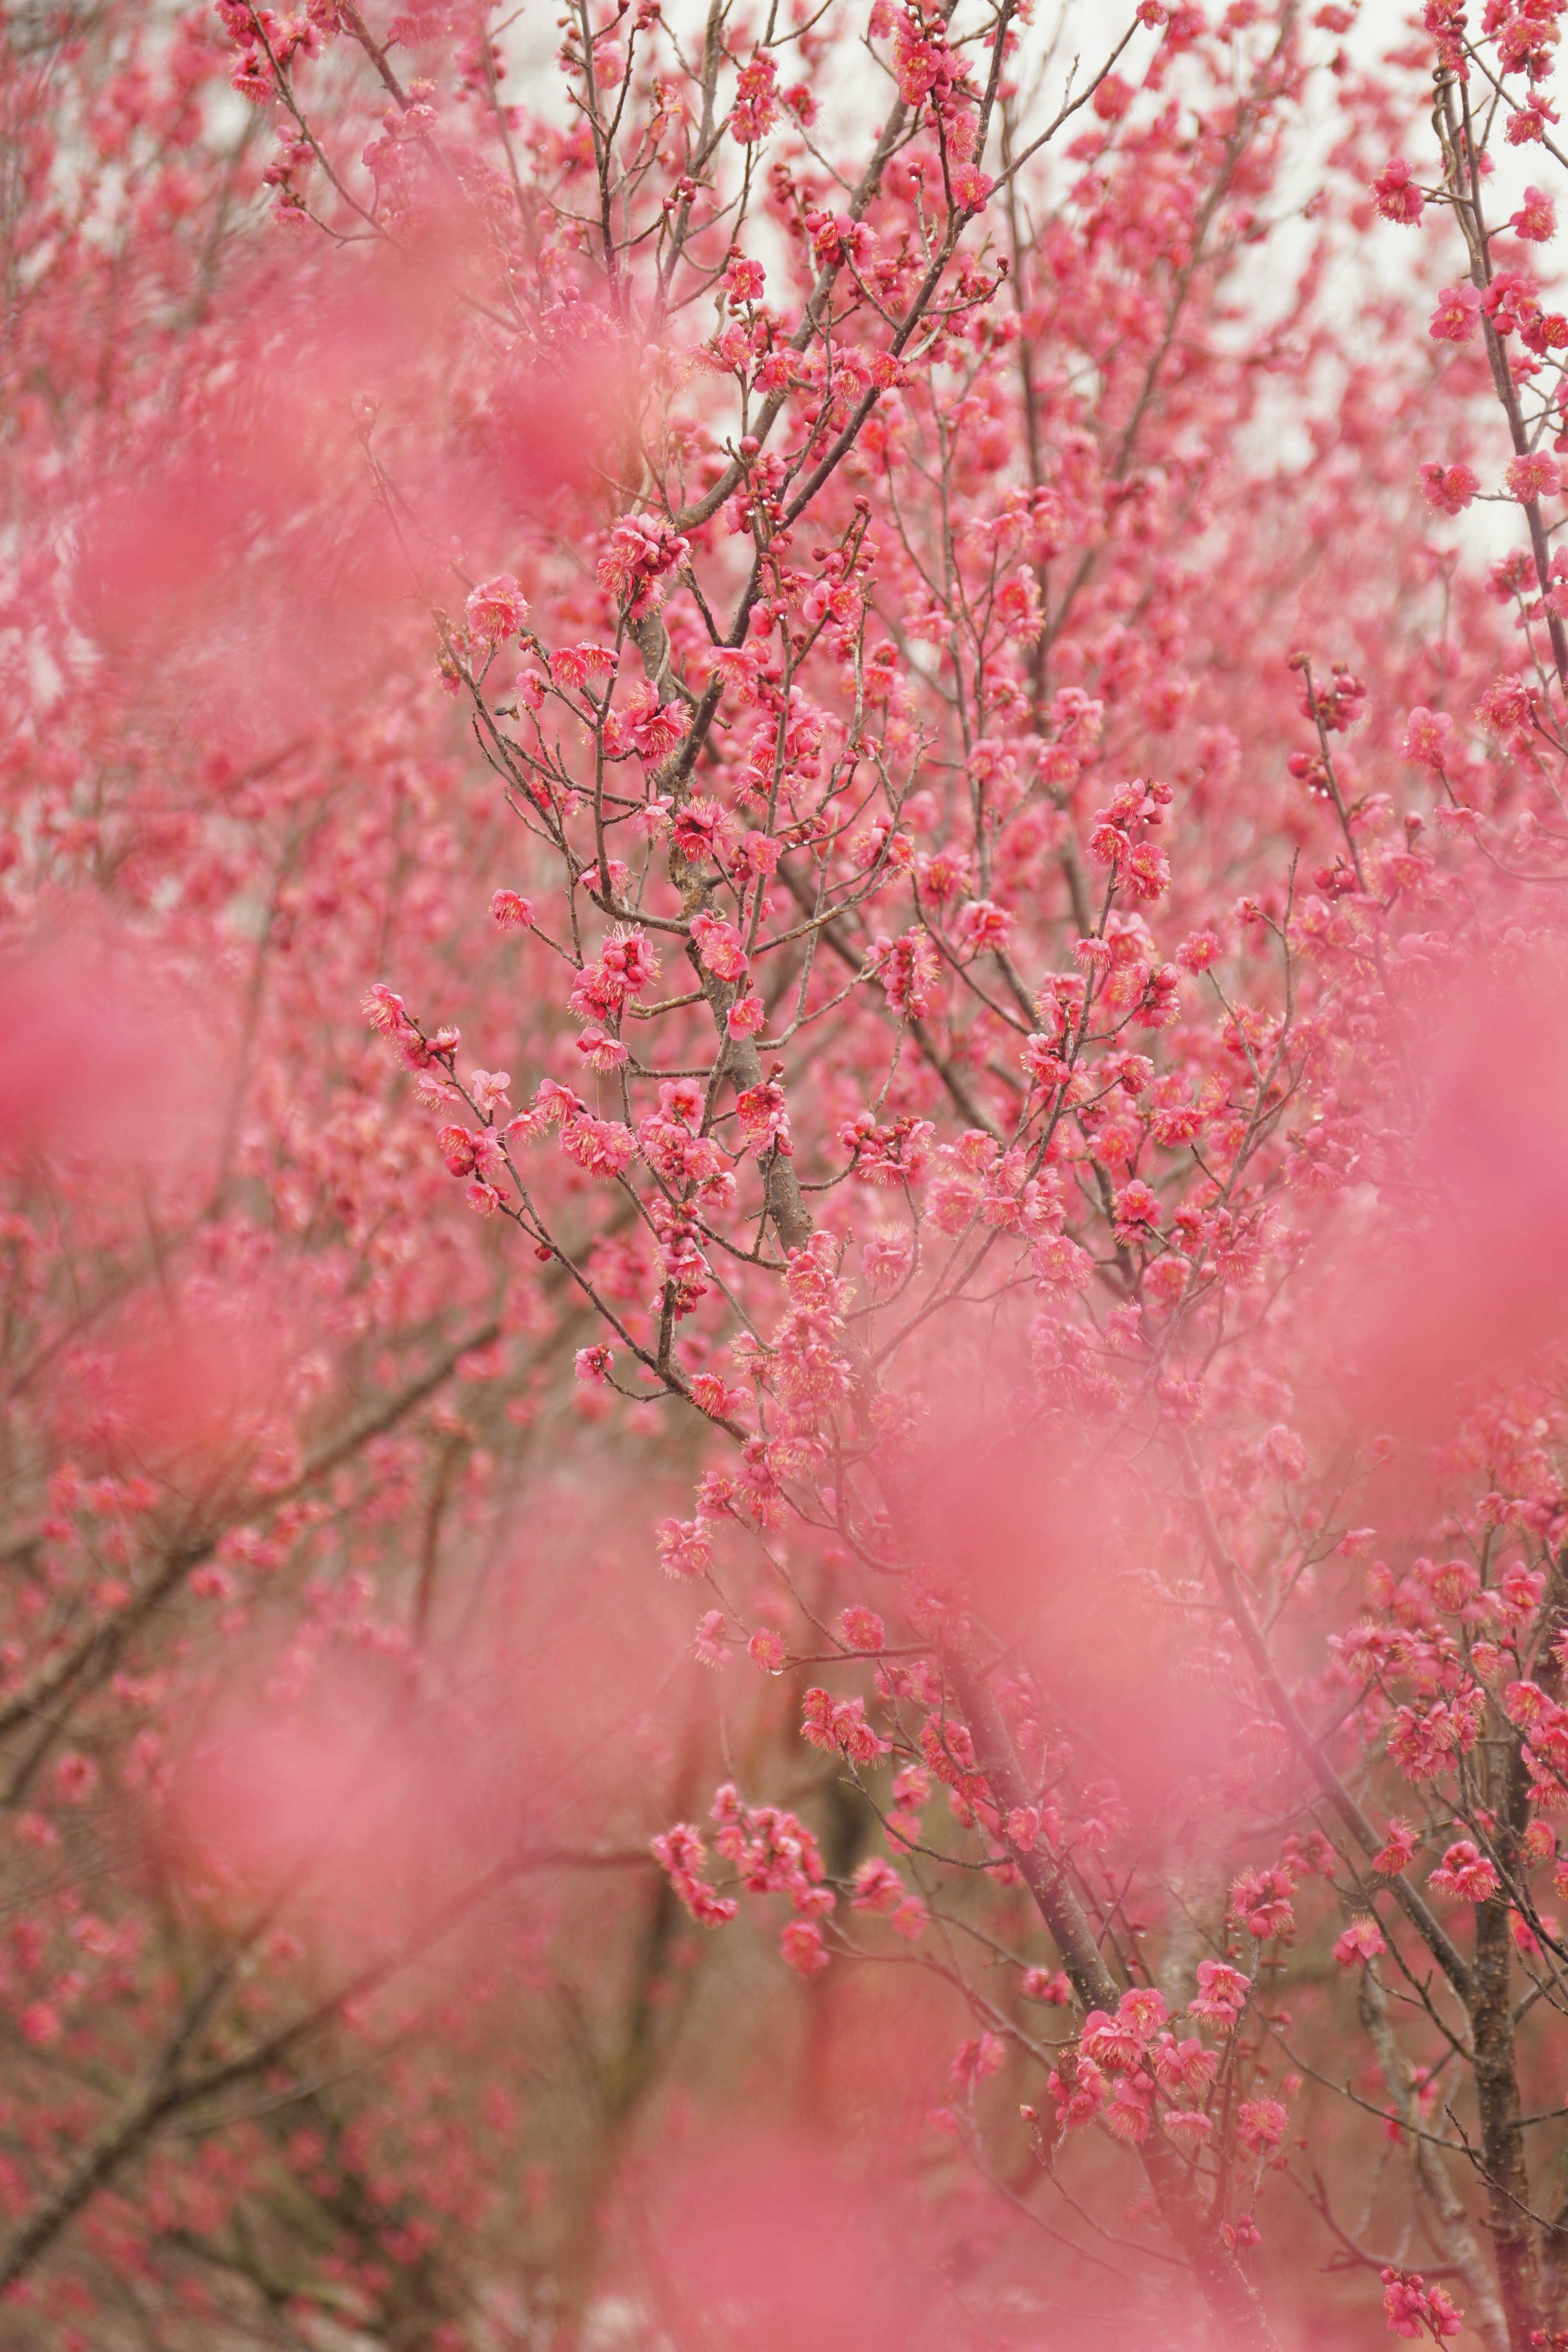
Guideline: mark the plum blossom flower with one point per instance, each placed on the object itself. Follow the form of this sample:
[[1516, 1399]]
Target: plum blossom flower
[[878, 1886], [1532, 477], [720, 945], [1198, 951], [497, 608], [1465, 1872], [1137, 1211], [1536, 219], [1457, 316], [841, 1725], [1507, 708], [1261, 1899], [1361, 1940], [862, 1628], [685, 1547], [1409, 2305], [709, 1646], [1260, 2124], [1079, 2090], [1449, 490], [1183, 2066], [385, 1010], [681, 1853], [1528, 122], [756, 104], [599, 1050], [1130, 2110], [1426, 743], [803, 1947], [1221, 1996], [1396, 193], [982, 925], [977, 2059], [1511, 302]]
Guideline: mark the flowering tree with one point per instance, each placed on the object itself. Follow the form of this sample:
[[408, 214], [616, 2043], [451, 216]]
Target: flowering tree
[[873, 602]]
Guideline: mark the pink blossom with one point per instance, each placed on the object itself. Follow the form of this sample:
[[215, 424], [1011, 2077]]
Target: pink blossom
[[1137, 1211], [977, 2059], [766, 1647], [1143, 2009], [1079, 2090], [1465, 1872], [1507, 707], [1398, 196], [581, 664], [1528, 121], [1449, 489], [385, 1010], [1410, 2305], [1183, 2066], [685, 1547], [1426, 743], [1511, 302], [1113, 2042], [601, 1146], [1361, 1940], [1130, 2109], [1221, 1996], [841, 1725], [803, 1947], [497, 608], [1261, 2123], [982, 925], [709, 1645], [756, 101], [1457, 315], [1061, 1264], [1198, 951], [1535, 476], [719, 944], [878, 1886], [600, 1050], [862, 1628], [1536, 219]]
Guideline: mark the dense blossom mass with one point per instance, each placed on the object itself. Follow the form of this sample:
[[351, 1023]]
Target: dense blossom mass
[[784, 803]]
